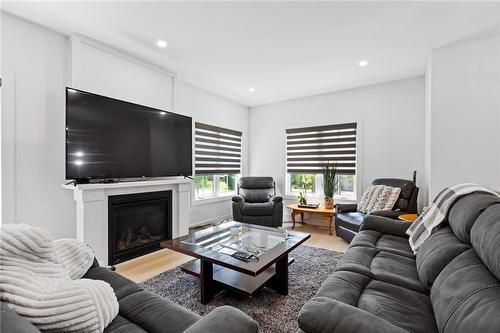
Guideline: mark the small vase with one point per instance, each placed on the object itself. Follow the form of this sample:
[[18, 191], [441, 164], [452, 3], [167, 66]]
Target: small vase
[[329, 203]]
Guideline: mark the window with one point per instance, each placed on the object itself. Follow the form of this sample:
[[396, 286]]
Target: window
[[308, 149], [302, 182], [217, 161]]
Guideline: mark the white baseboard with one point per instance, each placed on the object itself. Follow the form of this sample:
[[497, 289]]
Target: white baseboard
[[210, 221]]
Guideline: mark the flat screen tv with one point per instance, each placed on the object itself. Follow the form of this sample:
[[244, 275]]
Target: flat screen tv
[[108, 138]]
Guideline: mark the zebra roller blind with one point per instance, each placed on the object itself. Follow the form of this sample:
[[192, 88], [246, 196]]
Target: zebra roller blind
[[217, 150], [308, 148]]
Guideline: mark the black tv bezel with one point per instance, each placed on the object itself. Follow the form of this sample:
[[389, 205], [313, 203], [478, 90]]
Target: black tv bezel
[[118, 176]]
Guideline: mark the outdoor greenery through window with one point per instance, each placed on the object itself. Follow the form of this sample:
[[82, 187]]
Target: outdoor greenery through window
[[312, 184], [302, 182], [210, 186], [227, 183]]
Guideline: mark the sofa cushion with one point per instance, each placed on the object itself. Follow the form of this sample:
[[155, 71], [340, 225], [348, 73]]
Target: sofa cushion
[[258, 209], [466, 297], [10, 321], [398, 306], [378, 197], [383, 242], [326, 315], [485, 238], [145, 309], [437, 252], [407, 187], [350, 220], [122, 325], [383, 266], [465, 212], [120, 284]]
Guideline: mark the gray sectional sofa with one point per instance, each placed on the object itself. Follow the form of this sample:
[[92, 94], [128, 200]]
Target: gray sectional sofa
[[452, 285], [142, 311]]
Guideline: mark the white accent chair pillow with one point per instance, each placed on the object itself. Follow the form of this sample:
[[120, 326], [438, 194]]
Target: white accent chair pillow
[[378, 197]]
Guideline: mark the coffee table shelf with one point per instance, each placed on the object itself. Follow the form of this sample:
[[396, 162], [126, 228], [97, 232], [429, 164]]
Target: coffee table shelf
[[233, 280]]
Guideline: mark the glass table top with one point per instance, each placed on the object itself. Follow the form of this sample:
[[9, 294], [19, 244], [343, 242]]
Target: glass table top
[[233, 237]]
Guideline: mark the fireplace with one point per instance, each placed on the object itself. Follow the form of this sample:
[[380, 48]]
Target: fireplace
[[137, 224]]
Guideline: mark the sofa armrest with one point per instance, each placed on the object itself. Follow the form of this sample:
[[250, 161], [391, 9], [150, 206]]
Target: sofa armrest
[[326, 315], [224, 319], [239, 199], [391, 214], [12, 322], [346, 208], [385, 225], [275, 199]]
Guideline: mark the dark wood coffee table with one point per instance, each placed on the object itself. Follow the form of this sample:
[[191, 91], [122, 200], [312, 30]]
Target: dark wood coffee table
[[218, 270]]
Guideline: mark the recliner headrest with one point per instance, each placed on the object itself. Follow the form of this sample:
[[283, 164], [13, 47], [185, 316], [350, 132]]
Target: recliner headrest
[[256, 182]]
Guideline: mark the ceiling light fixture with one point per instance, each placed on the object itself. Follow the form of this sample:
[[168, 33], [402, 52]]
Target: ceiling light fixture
[[251, 89], [362, 63], [78, 162], [79, 153], [161, 44]]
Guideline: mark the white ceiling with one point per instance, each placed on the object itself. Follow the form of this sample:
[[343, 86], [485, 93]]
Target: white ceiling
[[285, 50]]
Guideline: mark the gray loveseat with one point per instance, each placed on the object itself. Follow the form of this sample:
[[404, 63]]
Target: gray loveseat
[[142, 311], [257, 202], [452, 285]]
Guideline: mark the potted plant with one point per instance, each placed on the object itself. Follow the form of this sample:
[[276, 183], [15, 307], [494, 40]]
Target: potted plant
[[302, 199], [304, 182], [330, 183]]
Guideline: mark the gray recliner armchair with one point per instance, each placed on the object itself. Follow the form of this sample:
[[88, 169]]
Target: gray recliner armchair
[[257, 202]]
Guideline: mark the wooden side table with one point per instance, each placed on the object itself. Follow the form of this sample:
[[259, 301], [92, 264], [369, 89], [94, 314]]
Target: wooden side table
[[408, 217], [328, 213]]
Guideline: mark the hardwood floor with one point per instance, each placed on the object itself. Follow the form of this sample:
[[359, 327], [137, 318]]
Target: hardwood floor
[[145, 267]]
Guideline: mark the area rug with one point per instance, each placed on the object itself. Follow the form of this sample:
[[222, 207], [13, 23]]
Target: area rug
[[274, 313]]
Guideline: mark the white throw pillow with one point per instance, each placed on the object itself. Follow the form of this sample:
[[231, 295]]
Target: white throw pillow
[[378, 197]]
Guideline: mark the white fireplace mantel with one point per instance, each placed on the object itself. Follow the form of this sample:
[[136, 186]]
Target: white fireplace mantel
[[92, 208]]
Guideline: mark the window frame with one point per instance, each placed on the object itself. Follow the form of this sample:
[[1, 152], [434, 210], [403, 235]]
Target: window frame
[[217, 195], [318, 186]]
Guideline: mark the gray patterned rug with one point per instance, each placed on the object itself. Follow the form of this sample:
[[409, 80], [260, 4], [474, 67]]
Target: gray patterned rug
[[274, 313]]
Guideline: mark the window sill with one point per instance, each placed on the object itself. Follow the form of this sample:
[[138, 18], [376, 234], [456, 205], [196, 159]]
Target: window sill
[[205, 201]]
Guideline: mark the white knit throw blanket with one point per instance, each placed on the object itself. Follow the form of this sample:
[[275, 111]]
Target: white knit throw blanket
[[40, 279]]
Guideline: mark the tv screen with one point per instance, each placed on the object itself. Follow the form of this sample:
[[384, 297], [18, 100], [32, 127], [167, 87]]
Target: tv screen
[[109, 138]]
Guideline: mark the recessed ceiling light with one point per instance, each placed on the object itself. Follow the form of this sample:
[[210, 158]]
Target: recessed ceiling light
[[251, 89], [161, 43], [78, 162], [362, 63], [79, 153], [163, 113]]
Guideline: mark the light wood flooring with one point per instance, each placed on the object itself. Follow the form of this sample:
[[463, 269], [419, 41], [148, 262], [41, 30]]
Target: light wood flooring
[[145, 267]]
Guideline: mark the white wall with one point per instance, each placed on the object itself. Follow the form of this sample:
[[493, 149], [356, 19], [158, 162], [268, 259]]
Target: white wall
[[390, 117], [465, 114], [35, 70]]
